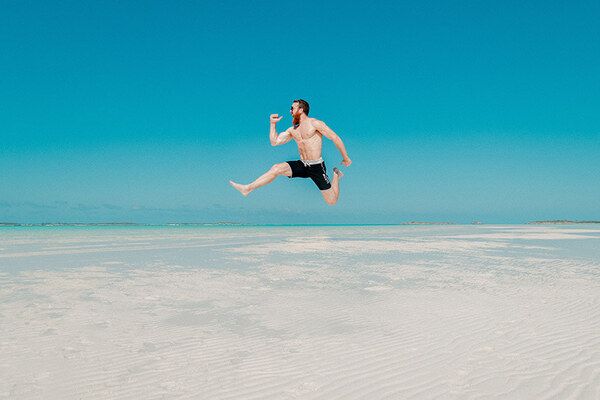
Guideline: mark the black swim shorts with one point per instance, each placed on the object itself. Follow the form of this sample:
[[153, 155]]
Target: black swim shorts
[[316, 172]]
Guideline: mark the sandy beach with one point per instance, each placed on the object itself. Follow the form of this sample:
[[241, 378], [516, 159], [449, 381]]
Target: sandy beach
[[375, 312]]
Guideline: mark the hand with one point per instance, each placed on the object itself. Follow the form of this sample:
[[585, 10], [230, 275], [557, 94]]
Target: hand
[[346, 162], [275, 118]]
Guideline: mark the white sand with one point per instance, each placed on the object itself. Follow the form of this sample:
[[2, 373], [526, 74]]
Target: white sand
[[418, 312]]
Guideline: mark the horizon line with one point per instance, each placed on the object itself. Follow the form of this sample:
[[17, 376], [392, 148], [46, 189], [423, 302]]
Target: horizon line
[[241, 224]]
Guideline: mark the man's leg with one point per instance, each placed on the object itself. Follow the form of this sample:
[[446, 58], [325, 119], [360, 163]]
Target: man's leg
[[264, 179], [331, 195]]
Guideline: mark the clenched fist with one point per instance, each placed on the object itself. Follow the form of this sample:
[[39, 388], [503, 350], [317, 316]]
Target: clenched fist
[[275, 118]]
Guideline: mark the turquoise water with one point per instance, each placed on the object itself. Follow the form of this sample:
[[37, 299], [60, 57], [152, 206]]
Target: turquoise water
[[186, 226], [228, 246]]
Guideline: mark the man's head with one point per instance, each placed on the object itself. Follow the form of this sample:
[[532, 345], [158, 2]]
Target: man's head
[[298, 107]]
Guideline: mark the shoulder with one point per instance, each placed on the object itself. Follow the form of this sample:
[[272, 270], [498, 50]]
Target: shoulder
[[320, 126], [317, 123]]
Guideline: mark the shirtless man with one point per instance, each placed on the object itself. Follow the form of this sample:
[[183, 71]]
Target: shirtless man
[[308, 134]]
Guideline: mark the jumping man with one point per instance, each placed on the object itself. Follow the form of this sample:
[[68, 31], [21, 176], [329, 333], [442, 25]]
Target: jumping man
[[308, 134]]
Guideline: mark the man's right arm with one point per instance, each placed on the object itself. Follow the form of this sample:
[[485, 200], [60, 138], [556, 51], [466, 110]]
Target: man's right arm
[[276, 139]]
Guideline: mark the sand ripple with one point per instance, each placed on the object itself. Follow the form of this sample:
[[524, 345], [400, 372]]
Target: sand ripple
[[344, 313]]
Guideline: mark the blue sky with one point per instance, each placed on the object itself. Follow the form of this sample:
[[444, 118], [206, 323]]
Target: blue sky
[[452, 111]]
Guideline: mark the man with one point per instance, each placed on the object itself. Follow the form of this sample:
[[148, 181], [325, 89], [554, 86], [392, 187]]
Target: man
[[308, 134]]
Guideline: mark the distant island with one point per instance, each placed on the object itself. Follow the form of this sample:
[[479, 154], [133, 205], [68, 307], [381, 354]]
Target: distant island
[[562, 221]]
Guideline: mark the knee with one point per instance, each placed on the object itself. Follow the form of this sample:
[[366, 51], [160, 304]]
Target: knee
[[277, 169]]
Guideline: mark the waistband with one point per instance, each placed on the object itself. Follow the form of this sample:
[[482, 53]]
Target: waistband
[[312, 162]]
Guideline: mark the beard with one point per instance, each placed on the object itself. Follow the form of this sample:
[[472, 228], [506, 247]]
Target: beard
[[295, 119]]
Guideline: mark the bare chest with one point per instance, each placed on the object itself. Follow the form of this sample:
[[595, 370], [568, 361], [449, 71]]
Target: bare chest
[[305, 134]]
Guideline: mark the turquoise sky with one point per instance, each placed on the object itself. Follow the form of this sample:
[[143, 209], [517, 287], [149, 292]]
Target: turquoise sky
[[452, 111]]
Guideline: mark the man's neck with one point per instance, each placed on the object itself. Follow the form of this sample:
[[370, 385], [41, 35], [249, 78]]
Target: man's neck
[[301, 119]]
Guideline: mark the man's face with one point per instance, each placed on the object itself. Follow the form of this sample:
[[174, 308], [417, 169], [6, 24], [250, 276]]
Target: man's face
[[295, 110]]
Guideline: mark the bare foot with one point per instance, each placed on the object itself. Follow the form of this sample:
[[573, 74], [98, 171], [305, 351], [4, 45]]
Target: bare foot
[[243, 189], [338, 172]]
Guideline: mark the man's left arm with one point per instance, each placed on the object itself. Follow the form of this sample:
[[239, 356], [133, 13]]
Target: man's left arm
[[331, 135]]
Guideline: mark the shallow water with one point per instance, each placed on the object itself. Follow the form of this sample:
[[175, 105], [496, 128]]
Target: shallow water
[[52, 248]]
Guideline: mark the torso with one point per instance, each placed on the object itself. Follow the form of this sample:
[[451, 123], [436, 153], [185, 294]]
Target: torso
[[309, 140]]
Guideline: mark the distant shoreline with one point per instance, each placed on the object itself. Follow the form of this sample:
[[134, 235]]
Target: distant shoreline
[[117, 224], [561, 222], [175, 224], [200, 224], [242, 224]]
